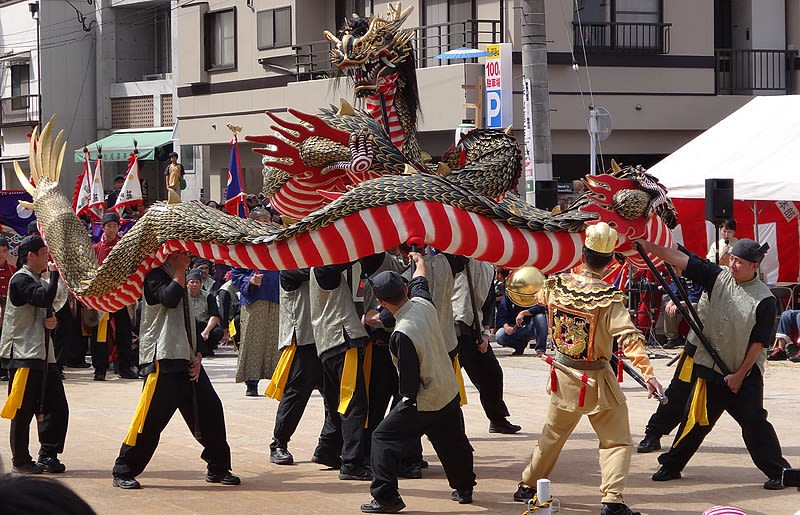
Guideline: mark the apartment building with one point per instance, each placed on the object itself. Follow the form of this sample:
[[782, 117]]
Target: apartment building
[[665, 71], [106, 72], [46, 68]]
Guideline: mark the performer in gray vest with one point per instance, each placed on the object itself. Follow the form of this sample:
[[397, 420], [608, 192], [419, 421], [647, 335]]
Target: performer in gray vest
[[430, 393], [738, 315], [340, 339], [206, 312], [304, 375], [474, 352], [171, 355], [27, 351]]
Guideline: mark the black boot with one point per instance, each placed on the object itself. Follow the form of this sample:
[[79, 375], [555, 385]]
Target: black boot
[[651, 442]]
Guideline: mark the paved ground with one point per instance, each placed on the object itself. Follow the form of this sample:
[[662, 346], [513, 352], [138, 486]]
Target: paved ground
[[721, 473]]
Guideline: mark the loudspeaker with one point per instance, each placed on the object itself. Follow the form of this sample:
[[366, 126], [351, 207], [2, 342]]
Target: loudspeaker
[[546, 194], [719, 199]]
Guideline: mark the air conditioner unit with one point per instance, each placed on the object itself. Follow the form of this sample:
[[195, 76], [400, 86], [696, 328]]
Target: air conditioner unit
[[154, 76]]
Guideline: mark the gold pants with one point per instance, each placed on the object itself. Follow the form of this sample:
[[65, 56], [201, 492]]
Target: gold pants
[[613, 431]]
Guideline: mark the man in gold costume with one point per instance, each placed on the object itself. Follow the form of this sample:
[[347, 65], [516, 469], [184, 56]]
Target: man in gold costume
[[586, 315]]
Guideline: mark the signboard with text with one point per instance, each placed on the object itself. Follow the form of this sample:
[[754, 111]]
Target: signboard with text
[[498, 82]]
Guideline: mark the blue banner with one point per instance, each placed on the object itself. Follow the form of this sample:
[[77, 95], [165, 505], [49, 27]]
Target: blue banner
[[14, 219]]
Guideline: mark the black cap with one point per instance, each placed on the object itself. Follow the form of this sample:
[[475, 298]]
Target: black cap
[[387, 284], [119, 178], [194, 275], [3, 242], [29, 244], [110, 217], [749, 250], [33, 228], [201, 261]]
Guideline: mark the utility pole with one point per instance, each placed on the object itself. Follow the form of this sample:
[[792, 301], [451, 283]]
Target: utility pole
[[534, 68]]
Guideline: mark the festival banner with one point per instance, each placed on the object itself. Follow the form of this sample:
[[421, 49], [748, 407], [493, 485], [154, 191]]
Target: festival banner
[[14, 218], [83, 192], [235, 197], [131, 192], [97, 204]]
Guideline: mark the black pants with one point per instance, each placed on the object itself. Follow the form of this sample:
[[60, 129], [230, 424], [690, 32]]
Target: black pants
[[747, 408], [174, 392], [122, 340], [669, 415], [485, 373], [68, 340], [383, 385], [304, 377], [403, 425], [53, 426], [355, 440]]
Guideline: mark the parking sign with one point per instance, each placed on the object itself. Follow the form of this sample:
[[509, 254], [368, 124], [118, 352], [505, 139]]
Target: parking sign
[[498, 85]]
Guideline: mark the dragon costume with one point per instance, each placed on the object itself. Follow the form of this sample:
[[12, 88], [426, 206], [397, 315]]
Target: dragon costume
[[357, 185]]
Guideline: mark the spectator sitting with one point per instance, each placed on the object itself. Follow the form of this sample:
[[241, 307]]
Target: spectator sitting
[[673, 318], [518, 324], [785, 346]]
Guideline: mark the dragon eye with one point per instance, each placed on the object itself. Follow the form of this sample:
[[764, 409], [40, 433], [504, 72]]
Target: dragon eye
[[378, 40]]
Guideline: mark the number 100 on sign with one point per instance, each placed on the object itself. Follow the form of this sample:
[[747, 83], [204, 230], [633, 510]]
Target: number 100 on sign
[[499, 95]]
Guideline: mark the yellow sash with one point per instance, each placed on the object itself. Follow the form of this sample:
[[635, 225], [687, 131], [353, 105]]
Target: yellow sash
[[102, 328], [347, 386], [14, 401], [137, 424], [686, 370], [697, 411], [462, 392], [281, 375]]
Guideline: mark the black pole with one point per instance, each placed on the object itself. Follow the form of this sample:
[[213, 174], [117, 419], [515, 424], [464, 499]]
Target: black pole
[[684, 313], [716, 242], [663, 399], [684, 294], [45, 368]]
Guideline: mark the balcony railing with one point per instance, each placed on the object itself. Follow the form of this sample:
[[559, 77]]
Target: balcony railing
[[312, 60], [19, 110], [747, 72], [622, 38]]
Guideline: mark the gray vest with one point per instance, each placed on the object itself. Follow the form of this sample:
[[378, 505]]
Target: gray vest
[[441, 283], [333, 315], [482, 274], [295, 317], [729, 316], [200, 306], [418, 320], [162, 332], [23, 328]]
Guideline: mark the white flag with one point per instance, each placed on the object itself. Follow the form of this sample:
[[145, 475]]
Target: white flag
[[97, 203], [131, 192], [85, 188]]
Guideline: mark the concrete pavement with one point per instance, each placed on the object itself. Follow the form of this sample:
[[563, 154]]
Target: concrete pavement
[[721, 473]]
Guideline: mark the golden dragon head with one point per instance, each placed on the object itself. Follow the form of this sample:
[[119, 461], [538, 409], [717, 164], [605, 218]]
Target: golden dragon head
[[370, 49]]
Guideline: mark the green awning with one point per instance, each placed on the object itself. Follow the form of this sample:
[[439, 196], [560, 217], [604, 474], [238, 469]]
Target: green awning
[[152, 144]]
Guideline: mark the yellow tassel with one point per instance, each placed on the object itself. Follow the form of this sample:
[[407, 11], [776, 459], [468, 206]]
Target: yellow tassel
[[367, 373], [277, 383], [102, 329], [462, 392], [137, 424], [349, 376], [14, 401], [686, 370], [231, 329], [698, 413]]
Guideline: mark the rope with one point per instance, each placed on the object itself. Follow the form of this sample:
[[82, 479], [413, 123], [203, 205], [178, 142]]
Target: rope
[[534, 505]]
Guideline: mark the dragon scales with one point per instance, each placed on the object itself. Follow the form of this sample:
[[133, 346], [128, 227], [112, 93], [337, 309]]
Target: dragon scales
[[357, 186]]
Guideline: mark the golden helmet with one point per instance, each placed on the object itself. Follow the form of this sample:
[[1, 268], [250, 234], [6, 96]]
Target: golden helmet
[[523, 286], [601, 238]]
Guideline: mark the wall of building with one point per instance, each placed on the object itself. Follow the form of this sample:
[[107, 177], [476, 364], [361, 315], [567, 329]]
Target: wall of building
[[135, 41]]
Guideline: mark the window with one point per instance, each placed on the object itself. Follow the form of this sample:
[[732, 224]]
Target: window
[[20, 80], [620, 25], [274, 28], [451, 27], [220, 31]]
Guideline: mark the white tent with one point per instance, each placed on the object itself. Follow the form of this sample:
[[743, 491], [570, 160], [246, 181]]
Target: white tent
[[758, 146]]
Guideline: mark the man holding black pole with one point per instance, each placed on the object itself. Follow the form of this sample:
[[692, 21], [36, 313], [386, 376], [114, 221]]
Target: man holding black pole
[[171, 355], [35, 385], [737, 311]]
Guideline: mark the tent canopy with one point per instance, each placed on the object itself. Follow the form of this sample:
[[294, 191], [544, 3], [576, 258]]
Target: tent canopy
[[152, 144], [758, 146]]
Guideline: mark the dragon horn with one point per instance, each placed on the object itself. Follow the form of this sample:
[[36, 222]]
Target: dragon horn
[[397, 12], [333, 39], [24, 180], [615, 167], [56, 175], [32, 155], [507, 130]]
